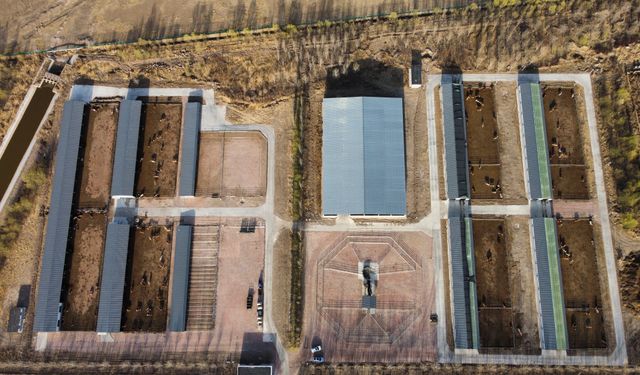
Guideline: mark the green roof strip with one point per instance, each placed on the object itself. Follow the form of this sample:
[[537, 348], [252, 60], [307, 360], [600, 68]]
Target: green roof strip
[[541, 141], [473, 298], [556, 284]]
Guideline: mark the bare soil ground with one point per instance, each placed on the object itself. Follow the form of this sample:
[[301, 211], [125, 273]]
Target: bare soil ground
[[569, 182], [492, 277], [147, 280], [97, 157], [158, 149], [564, 140], [82, 287], [581, 284], [485, 181], [504, 278], [512, 172], [45, 24], [483, 148], [482, 124], [232, 164], [280, 116], [400, 329]]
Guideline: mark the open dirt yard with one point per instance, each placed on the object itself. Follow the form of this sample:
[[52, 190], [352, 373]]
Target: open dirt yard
[[569, 182], [398, 329], [82, 277], [503, 273], [512, 172], [578, 248], [483, 147], [564, 139], [96, 159], [485, 181], [147, 281], [232, 164], [158, 148], [482, 124]]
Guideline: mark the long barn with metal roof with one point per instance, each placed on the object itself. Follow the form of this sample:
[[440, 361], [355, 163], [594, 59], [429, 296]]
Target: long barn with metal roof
[[363, 158], [535, 139], [549, 278], [189, 149], [55, 248], [113, 277], [126, 152], [455, 137], [180, 279], [463, 286]]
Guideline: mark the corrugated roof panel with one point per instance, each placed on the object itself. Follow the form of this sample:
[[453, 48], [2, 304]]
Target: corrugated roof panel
[[363, 156], [50, 284], [549, 286], [342, 156], [384, 169], [126, 153], [114, 270], [180, 279], [455, 136], [535, 142], [189, 157], [461, 321]]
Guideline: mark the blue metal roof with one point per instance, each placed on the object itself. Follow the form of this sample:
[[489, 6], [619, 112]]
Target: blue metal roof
[[113, 277], [363, 156], [535, 141], [180, 279], [126, 153], [189, 157], [455, 136], [50, 283]]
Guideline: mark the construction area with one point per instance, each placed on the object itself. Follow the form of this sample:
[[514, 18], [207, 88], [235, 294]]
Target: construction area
[[369, 296], [565, 142]]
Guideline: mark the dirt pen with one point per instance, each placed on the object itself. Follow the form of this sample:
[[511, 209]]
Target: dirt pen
[[339, 313], [483, 141], [147, 279], [578, 245], [564, 140], [158, 148], [232, 164], [82, 278], [501, 265], [96, 157]]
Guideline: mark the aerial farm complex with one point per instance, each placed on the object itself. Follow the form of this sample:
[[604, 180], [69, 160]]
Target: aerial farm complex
[[162, 225]]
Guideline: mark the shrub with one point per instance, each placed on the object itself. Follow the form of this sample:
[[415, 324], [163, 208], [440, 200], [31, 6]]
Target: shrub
[[629, 222]]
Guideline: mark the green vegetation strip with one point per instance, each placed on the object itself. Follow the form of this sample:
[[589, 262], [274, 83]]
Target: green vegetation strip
[[541, 143], [473, 299], [556, 285]]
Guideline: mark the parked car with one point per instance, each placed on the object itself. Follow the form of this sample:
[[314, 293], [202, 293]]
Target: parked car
[[316, 349], [318, 359]]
